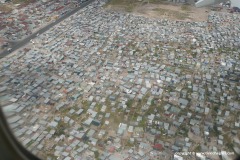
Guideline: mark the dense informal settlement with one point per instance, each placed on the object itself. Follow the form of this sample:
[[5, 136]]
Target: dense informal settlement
[[114, 86], [24, 19]]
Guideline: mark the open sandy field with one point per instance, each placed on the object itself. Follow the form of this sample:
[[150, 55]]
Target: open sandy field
[[162, 10]]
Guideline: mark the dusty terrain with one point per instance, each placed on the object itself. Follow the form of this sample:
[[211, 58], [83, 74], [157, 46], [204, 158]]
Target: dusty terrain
[[168, 11], [8, 7]]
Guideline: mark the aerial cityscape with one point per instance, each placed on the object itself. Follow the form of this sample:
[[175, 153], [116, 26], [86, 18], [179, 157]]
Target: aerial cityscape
[[93, 80]]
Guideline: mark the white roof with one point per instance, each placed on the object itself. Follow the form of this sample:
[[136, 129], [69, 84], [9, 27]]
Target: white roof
[[235, 3]]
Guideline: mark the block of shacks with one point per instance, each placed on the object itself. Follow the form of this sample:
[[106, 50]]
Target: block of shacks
[[115, 86], [24, 20]]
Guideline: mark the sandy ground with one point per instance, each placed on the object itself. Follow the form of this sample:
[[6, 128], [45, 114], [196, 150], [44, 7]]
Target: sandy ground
[[192, 14], [166, 11], [6, 8]]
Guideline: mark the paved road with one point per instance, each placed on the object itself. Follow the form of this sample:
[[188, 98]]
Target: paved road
[[26, 40]]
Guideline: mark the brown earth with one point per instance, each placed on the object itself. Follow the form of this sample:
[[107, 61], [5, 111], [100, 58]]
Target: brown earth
[[166, 11]]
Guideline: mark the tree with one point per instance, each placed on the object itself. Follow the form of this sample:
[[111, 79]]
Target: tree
[[215, 129], [215, 108], [129, 103], [96, 154]]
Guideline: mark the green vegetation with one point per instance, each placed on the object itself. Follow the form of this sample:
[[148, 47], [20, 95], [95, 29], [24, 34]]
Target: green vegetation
[[134, 116], [48, 129], [80, 129], [116, 119], [129, 103], [128, 5], [29, 143], [181, 16], [85, 104], [150, 110], [152, 102], [60, 128], [185, 130], [229, 143], [64, 111], [96, 154], [143, 123], [185, 8], [74, 116], [215, 130], [122, 2], [108, 102], [145, 99], [22, 1], [118, 2], [216, 109], [129, 144], [197, 149], [175, 14], [98, 107], [210, 50], [130, 8], [157, 1]]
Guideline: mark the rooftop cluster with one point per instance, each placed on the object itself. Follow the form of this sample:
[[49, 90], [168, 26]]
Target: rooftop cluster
[[110, 85], [24, 20]]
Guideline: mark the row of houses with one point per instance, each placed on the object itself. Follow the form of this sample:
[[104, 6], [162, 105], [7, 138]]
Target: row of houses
[[120, 86]]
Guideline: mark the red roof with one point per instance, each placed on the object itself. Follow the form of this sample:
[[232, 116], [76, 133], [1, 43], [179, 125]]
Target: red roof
[[158, 146], [111, 149], [168, 115]]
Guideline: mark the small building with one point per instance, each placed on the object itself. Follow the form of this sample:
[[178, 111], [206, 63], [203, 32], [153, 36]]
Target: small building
[[138, 132], [121, 128], [130, 130], [111, 149], [88, 122], [158, 147], [96, 122]]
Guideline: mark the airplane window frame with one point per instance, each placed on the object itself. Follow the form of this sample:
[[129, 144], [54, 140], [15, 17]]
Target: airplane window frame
[[10, 148]]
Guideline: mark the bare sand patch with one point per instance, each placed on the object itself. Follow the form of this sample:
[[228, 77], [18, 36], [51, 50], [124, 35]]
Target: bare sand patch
[[163, 11]]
